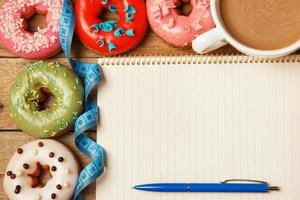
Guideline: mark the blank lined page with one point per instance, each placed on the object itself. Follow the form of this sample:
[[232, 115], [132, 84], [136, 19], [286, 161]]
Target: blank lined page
[[199, 123]]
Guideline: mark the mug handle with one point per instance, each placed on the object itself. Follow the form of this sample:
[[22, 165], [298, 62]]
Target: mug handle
[[208, 41]]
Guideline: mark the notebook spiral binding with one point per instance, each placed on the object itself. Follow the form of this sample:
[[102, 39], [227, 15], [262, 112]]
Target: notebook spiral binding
[[192, 59]]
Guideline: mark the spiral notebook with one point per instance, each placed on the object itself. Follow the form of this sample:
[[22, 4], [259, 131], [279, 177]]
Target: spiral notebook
[[199, 119]]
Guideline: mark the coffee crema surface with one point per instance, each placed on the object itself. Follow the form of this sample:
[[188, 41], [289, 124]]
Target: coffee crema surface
[[262, 24]]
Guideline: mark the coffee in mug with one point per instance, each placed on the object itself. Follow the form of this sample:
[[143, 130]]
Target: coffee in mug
[[262, 24]]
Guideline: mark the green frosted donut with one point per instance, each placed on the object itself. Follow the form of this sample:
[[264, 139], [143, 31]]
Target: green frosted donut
[[28, 92]]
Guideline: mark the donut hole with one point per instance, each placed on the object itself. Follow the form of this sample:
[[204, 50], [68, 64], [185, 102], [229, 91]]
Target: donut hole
[[184, 7], [41, 99], [41, 176], [47, 99], [107, 15], [34, 20]]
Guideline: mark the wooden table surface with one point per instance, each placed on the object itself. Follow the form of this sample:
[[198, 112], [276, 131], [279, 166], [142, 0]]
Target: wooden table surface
[[10, 65]]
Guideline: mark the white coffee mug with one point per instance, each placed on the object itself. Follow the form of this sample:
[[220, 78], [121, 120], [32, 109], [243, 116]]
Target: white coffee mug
[[219, 37]]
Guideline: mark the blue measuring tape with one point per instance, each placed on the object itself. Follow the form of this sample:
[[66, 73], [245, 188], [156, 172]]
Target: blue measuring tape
[[92, 76]]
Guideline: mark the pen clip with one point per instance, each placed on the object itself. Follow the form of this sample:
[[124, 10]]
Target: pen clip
[[270, 188], [244, 180]]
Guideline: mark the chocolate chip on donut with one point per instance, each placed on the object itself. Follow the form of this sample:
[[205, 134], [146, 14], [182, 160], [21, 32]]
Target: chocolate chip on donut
[[51, 154], [40, 144], [53, 168], [23, 181], [25, 166], [60, 159], [53, 196], [18, 189], [20, 151], [58, 187]]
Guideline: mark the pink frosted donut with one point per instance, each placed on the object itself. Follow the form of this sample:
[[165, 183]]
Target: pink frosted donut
[[177, 29], [13, 28]]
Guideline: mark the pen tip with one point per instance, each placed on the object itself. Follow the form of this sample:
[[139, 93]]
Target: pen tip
[[274, 188], [134, 187]]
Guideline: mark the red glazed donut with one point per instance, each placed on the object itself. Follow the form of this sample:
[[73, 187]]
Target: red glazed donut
[[111, 37]]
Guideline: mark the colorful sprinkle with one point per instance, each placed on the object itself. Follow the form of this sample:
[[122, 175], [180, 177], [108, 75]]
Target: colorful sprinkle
[[104, 2], [130, 33], [129, 9], [101, 41], [75, 114], [111, 46], [171, 23], [62, 123], [129, 17], [44, 83], [108, 26], [45, 132], [112, 8], [96, 27], [118, 32]]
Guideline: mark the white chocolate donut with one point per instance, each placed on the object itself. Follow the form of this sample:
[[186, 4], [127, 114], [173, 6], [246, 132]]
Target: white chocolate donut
[[21, 181]]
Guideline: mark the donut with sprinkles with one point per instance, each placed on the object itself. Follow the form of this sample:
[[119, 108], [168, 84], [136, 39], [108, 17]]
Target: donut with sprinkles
[[14, 32], [110, 37], [21, 178], [45, 99], [176, 26]]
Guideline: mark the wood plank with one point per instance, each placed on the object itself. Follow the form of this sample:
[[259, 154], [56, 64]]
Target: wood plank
[[11, 140], [9, 69]]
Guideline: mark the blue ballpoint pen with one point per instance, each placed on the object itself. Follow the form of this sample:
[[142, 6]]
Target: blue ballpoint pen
[[225, 186]]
